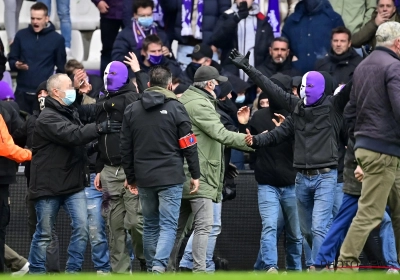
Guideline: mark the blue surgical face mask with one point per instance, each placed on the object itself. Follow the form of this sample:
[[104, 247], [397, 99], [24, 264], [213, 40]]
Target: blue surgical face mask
[[70, 95], [145, 22], [240, 98], [154, 59]]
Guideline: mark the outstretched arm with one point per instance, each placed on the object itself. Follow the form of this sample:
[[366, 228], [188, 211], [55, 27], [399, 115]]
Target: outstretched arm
[[276, 96]]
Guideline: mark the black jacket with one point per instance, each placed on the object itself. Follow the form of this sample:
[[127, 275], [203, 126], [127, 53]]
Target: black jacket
[[375, 98], [152, 127], [41, 51], [97, 86], [225, 37], [341, 67], [274, 165], [315, 129], [8, 168], [58, 149], [3, 60], [172, 10], [112, 107], [269, 67]]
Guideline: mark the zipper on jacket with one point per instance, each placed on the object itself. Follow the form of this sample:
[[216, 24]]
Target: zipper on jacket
[[105, 139]]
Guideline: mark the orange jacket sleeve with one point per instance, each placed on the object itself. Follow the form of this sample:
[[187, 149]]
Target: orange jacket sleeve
[[7, 147]]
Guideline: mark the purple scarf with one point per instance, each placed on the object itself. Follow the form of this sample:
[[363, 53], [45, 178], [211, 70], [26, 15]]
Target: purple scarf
[[158, 13], [274, 18], [187, 11], [139, 33]]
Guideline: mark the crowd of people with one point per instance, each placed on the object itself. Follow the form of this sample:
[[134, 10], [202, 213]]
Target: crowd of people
[[303, 92]]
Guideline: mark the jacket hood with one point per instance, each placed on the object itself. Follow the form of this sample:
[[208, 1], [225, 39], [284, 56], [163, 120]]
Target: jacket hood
[[155, 96], [319, 5], [330, 83], [49, 28]]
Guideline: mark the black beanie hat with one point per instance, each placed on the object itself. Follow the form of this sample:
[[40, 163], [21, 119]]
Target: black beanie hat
[[42, 86], [226, 88]]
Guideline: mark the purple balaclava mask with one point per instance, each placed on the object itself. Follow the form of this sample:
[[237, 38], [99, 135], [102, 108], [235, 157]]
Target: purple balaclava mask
[[115, 76], [5, 91], [312, 87]]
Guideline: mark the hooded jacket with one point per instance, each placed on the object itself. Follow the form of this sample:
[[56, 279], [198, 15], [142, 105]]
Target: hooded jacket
[[211, 137], [59, 155], [309, 33], [150, 150], [112, 107], [341, 67], [315, 128], [41, 51]]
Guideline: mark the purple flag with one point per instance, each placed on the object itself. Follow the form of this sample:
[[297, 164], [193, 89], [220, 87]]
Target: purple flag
[[274, 18]]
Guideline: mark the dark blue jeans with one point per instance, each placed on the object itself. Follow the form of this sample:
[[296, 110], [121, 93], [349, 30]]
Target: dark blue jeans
[[160, 208], [46, 210], [315, 196], [97, 228]]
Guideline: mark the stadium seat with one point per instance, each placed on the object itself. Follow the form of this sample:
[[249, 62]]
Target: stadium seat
[[2, 15], [84, 15], [93, 61], [76, 44]]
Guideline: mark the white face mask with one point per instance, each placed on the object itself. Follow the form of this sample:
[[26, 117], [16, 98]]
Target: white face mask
[[41, 102], [303, 89]]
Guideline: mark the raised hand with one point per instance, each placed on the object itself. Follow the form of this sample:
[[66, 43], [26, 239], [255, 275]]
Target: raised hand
[[132, 61], [239, 60], [243, 115]]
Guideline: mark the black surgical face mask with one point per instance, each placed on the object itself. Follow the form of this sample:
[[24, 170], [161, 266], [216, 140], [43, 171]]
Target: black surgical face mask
[[228, 106]]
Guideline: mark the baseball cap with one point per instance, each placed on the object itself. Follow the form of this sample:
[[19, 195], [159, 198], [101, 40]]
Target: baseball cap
[[206, 73], [200, 51], [387, 31]]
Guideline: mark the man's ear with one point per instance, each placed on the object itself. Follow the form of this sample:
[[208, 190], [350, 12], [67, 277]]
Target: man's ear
[[148, 84]]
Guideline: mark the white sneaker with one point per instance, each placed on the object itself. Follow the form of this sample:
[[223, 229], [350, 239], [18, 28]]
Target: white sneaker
[[24, 270], [103, 273], [69, 54], [272, 270], [392, 271]]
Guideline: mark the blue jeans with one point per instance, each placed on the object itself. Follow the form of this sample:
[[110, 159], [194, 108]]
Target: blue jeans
[[160, 208], [97, 228], [187, 259], [315, 196], [270, 201], [46, 210], [340, 226], [65, 19]]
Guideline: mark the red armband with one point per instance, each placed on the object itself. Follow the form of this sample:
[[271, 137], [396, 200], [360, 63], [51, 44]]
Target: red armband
[[187, 141]]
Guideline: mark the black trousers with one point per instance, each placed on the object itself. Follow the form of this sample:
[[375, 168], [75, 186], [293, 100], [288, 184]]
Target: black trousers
[[109, 31], [26, 102], [4, 220]]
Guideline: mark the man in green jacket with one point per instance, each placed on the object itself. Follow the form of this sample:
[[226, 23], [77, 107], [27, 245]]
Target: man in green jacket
[[200, 102], [385, 11]]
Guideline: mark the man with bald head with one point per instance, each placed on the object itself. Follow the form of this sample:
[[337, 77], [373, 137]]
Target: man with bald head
[[57, 172]]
